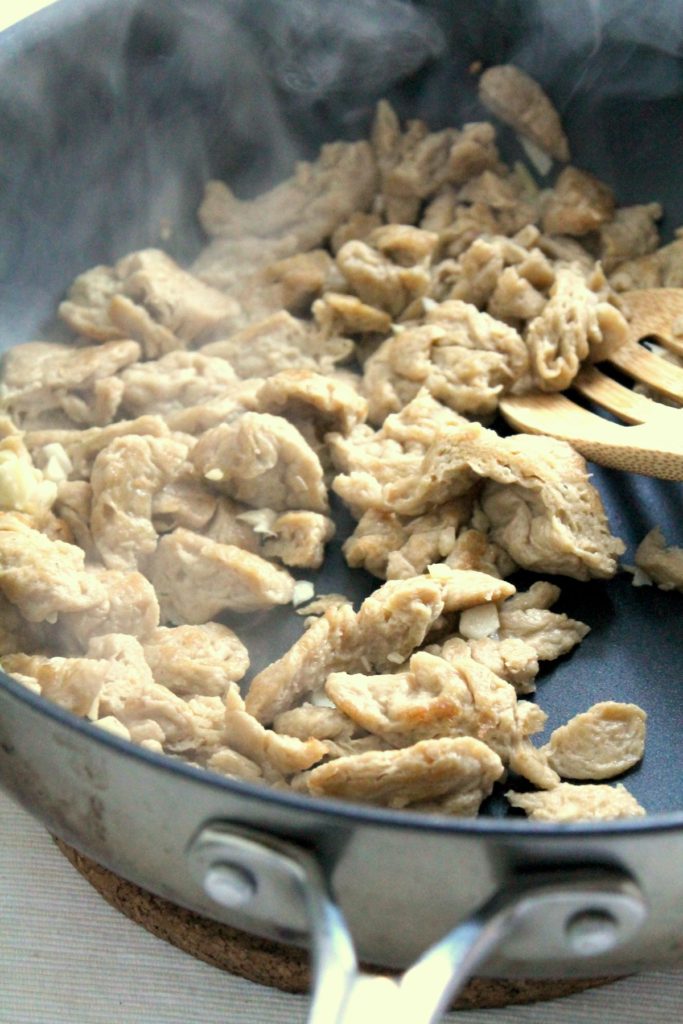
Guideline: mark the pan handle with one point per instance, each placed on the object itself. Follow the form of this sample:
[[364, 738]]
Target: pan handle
[[561, 916]]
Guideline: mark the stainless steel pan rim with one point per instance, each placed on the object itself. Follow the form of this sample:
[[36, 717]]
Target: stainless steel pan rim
[[342, 809]]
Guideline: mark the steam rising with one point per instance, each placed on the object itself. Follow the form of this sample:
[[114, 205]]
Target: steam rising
[[322, 48], [127, 108], [605, 45]]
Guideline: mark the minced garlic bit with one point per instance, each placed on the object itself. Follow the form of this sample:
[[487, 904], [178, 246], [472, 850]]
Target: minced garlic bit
[[480, 621], [640, 577], [261, 520], [303, 591], [214, 474], [541, 161], [320, 699], [113, 726], [57, 462]]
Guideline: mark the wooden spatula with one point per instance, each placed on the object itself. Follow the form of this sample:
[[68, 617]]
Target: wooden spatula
[[653, 445]]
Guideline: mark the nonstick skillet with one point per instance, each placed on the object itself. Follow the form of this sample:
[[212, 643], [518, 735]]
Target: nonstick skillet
[[111, 117]]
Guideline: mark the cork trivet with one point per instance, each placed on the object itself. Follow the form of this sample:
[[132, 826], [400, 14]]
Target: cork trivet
[[271, 963]]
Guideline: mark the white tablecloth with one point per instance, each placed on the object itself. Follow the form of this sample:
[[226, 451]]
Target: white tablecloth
[[66, 957]]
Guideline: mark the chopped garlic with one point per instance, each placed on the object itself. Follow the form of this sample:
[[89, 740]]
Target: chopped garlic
[[526, 180], [58, 465], [395, 658], [480, 621], [439, 571], [446, 541], [322, 603], [261, 520], [640, 577], [214, 474], [113, 726], [303, 591], [319, 699], [541, 161]]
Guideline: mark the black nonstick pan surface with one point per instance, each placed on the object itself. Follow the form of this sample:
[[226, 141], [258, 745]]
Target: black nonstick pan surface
[[110, 125]]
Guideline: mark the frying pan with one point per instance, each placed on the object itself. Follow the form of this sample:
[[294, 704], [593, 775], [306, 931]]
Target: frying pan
[[111, 117]]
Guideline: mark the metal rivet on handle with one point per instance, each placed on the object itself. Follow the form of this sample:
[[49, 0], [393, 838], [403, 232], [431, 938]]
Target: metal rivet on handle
[[229, 885], [591, 932]]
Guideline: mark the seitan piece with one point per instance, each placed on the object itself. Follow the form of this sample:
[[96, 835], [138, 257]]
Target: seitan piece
[[508, 276], [44, 578], [83, 446], [517, 99], [235, 766], [126, 476], [72, 683], [433, 698], [338, 313], [196, 578], [131, 607], [566, 803], [463, 357], [263, 461], [512, 659], [450, 775], [578, 204], [196, 660], [630, 235], [129, 694], [527, 617], [391, 623], [600, 743], [86, 307], [280, 342], [474, 549], [298, 539], [165, 307], [177, 380], [538, 498], [574, 324], [330, 403], [391, 268], [73, 505], [660, 269], [149, 298], [306, 208], [270, 750], [330, 644], [398, 547], [416, 163], [661, 563], [45, 378], [374, 464]]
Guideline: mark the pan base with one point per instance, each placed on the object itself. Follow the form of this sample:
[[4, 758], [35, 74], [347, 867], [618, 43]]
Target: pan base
[[273, 964]]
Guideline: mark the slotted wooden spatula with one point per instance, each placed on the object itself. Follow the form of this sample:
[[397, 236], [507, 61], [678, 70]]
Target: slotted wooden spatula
[[653, 443]]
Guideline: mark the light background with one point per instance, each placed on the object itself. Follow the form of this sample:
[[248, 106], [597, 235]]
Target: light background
[[14, 10], [67, 958]]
